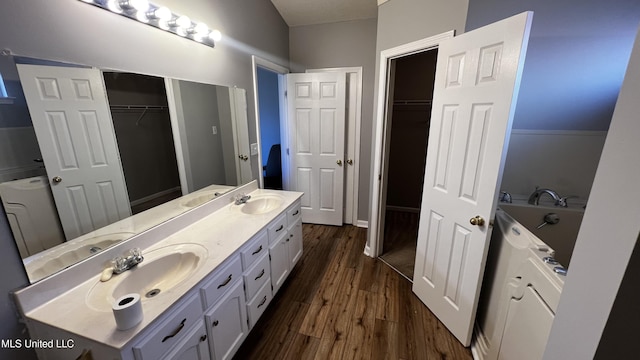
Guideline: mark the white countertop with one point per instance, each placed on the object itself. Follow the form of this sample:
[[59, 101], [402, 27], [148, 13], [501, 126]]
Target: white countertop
[[222, 232]]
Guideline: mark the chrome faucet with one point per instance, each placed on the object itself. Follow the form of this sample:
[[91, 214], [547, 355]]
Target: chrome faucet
[[505, 197], [122, 264], [534, 199], [242, 198]]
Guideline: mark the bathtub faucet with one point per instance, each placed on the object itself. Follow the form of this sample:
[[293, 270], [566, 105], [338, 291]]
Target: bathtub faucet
[[559, 200]]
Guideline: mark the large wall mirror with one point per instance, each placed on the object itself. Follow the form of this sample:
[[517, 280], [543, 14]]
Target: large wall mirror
[[92, 157]]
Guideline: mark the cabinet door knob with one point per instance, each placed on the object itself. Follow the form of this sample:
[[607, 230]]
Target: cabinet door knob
[[203, 337], [215, 323]]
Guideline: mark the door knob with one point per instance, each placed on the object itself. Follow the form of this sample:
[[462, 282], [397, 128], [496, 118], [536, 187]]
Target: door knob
[[339, 162], [350, 162], [243, 157], [56, 179], [477, 221]]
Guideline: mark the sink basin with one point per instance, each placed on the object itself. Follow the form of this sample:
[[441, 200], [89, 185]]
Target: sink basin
[[261, 204], [161, 270], [200, 199], [62, 256]]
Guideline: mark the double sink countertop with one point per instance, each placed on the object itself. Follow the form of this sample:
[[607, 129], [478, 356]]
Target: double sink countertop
[[217, 235]]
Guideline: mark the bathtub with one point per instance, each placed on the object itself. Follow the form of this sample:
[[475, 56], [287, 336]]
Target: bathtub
[[507, 321], [561, 237]]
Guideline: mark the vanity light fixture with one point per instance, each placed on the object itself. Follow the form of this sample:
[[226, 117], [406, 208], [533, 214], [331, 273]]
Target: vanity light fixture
[[160, 17]]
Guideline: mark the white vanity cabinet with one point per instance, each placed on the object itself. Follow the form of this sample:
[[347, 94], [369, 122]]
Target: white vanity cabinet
[[215, 307], [194, 346], [171, 330], [227, 323], [285, 245]]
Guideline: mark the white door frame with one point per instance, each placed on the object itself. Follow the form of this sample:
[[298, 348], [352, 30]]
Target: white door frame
[[257, 62], [379, 187], [352, 145]]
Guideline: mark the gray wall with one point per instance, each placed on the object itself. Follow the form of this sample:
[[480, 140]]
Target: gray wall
[[343, 44], [200, 111], [403, 21], [12, 277], [576, 59], [75, 32]]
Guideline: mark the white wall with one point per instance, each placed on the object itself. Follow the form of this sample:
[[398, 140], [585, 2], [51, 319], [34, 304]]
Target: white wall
[[607, 236]]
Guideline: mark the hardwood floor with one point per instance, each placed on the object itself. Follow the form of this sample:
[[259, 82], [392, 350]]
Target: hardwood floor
[[340, 304]]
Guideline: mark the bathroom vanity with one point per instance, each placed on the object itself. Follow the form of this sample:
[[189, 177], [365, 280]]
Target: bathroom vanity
[[206, 278]]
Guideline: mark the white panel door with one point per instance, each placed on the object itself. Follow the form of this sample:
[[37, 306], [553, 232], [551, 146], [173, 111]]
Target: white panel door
[[241, 133], [316, 117], [476, 86], [72, 121]]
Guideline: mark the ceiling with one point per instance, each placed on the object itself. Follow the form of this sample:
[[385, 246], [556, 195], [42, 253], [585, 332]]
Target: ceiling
[[310, 12]]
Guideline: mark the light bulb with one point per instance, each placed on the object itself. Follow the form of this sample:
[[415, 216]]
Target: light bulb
[[162, 13], [201, 29], [139, 5], [215, 35], [114, 6], [183, 22]]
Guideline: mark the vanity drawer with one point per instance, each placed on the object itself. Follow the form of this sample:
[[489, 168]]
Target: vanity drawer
[[257, 276], [277, 228], [170, 331], [294, 213], [220, 282], [256, 306], [258, 246]]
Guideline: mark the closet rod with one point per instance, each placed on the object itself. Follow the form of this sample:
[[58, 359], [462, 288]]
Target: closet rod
[[138, 107], [412, 102]]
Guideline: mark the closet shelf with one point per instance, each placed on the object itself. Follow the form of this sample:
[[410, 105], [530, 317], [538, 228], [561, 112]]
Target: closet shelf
[[138, 107], [143, 108], [411, 102]]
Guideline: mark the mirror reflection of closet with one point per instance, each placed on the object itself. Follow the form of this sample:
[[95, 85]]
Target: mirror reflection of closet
[[412, 92], [141, 121], [146, 113]]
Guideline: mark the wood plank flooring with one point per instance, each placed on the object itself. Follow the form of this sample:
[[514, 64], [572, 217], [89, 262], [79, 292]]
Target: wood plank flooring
[[340, 304]]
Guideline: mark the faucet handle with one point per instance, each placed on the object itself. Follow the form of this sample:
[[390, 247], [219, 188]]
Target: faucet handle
[[505, 197], [136, 254], [119, 264], [563, 200]]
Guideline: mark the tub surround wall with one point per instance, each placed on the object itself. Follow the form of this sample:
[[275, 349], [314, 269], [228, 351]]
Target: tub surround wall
[[565, 161], [561, 237]]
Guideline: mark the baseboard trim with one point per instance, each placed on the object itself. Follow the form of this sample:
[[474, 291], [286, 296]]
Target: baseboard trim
[[402, 208], [362, 224]]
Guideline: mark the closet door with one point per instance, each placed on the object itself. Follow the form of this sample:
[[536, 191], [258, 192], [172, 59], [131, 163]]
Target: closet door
[[316, 118], [72, 121], [476, 86]]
